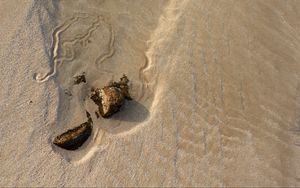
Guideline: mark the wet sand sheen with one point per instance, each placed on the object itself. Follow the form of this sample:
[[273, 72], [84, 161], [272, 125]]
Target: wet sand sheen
[[215, 88]]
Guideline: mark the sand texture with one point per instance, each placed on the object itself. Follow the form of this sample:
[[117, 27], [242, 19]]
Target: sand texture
[[215, 88]]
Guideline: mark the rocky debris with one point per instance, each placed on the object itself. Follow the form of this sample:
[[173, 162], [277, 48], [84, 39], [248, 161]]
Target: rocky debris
[[123, 86], [74, 138], [97, 114], [79, 79], [68, 92], [111, 98]]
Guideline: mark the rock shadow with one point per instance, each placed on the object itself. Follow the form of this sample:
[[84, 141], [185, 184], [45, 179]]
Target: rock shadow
[[132, 111], [131, 115]]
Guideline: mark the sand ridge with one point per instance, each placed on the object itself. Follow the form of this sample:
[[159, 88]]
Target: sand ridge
[[83, 38]]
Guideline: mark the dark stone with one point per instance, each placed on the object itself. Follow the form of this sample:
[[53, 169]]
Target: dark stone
[[97, 114], [79, 79], [74, 138]]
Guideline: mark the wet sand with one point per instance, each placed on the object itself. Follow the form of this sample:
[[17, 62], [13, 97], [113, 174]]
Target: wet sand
[[215, 88]]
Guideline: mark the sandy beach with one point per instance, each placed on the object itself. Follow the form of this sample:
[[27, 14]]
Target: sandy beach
[[215, 88]]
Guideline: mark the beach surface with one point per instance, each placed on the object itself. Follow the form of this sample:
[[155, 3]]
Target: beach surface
[[215, 87]]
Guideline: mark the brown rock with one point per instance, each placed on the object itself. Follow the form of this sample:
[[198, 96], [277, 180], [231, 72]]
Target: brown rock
[[74, 138], [111, 98]]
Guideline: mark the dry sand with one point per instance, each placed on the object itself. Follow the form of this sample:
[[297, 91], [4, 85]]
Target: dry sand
[[216, 89]]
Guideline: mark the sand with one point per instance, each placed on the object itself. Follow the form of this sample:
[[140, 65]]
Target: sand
[[215, 87]]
